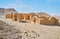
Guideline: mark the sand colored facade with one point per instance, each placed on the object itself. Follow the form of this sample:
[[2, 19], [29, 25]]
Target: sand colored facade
[[19, 18], [53, 20], [25, 16], [9, 15], [43, 21], [12, 16], [15, 16], [42, 15], [33, 18]]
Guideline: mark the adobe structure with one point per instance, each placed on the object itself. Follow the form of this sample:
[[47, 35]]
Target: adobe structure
[[40, 18]]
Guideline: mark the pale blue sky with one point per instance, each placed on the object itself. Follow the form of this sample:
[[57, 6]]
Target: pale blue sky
[[52, 7]]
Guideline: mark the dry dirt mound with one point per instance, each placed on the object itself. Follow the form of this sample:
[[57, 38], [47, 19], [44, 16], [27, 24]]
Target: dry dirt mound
[[9, 32], [17, 30]]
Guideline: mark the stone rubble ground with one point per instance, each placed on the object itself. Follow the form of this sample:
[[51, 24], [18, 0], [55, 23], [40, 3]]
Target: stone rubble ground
[[10, 29]]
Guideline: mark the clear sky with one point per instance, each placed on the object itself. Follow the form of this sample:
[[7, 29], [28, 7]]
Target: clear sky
[[52, 7]]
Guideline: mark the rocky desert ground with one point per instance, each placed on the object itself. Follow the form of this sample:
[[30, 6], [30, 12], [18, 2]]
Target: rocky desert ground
[[10, 29]]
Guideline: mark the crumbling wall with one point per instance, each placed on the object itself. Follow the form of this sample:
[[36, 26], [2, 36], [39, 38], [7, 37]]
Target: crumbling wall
[[33, 18], [8, 16], [53, 20], [19, 18], [15, 16]]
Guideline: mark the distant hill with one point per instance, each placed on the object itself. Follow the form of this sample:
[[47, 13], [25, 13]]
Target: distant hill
[[10, 10], [7, 10]]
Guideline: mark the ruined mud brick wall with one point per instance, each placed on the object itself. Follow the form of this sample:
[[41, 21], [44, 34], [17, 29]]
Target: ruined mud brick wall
[[8, 16], [33, 18], [57, 22], [25, 16], [15, 16], [53, 20], [43, 21], [19, 18], [43, 14]]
